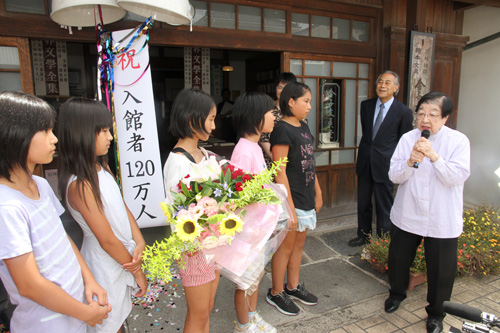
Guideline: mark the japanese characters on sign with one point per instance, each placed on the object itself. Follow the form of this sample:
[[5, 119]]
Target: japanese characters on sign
[[138, 147], [50, 67], [420, 70], [197, 68], [216, 80]]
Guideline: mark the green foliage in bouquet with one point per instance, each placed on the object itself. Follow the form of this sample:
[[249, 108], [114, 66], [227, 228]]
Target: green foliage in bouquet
[[158, 257], [256, 189]]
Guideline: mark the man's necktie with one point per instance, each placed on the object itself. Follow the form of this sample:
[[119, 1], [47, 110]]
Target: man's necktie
[[378, 121]]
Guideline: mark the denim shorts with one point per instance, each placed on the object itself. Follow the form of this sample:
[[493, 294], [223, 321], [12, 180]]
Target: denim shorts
[[307, 219]]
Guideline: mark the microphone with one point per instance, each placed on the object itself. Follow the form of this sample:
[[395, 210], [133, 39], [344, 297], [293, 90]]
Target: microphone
[[468, 312], [425, 134]]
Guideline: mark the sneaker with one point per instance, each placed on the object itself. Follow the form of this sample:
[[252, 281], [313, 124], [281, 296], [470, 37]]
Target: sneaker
[[262, 324], [302, 295], [250, 328], [282, 303]]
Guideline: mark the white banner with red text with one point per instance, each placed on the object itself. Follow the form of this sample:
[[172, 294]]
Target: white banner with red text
[[138, 148]]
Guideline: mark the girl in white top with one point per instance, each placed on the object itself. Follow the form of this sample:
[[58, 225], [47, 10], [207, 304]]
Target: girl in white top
[[41, 268], [113, 243], [192, 119]]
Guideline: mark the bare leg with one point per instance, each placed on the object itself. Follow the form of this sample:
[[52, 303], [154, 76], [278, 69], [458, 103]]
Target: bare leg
[[215, 284], [280, 261], [200, 301], [293, 268], [244, 306]]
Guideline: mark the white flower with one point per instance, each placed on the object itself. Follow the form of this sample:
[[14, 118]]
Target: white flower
[[365, 255], [209, 243], [200, 172], [223, 240]]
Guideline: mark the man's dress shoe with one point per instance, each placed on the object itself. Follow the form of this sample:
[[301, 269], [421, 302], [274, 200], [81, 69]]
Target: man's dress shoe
[[391, 305], [434, 325], [358, 241]]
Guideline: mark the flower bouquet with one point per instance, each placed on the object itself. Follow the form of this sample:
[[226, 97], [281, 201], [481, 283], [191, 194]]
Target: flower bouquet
[[208, 211]]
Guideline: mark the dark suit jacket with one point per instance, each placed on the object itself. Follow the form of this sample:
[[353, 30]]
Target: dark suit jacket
[[376, 154]]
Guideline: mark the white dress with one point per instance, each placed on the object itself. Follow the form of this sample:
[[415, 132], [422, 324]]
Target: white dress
[[118, 282]]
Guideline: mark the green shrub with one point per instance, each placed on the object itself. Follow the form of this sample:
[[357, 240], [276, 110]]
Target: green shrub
[[478, 245]]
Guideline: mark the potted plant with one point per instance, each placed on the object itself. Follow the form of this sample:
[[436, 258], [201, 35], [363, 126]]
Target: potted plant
[[418, 269], [377, 252], [478, 250], [325, 134]]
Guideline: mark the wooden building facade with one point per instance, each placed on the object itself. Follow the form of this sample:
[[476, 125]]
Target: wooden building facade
[[338, 44]]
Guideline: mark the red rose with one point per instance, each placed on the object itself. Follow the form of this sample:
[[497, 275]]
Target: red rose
[[228, 167], [237, 173], [246, 178], [238, 187]]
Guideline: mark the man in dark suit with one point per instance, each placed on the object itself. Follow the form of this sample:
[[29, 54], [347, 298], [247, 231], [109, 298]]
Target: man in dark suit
[[383, 121]]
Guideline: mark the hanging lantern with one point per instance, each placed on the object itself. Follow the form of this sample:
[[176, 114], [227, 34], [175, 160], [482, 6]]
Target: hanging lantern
[[174, 12], [84, 13]]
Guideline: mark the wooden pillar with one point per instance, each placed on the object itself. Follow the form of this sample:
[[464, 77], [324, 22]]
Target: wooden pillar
[[225, 75], [415, 21]]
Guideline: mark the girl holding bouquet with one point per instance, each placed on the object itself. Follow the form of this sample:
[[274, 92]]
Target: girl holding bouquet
[[252, 116], [192, 119], [292, 138], [112, 243]]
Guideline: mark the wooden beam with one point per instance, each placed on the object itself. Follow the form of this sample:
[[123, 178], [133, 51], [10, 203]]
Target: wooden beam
[[492, 3], [482, 41], [199, 37], [461, 6]]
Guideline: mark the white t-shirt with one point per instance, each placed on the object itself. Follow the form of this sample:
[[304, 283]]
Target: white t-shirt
[[28, 225]]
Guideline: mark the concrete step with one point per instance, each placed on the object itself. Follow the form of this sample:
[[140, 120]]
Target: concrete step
[[336, 218]]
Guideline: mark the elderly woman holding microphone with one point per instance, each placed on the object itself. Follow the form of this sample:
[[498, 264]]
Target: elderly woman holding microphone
[[430, 164]]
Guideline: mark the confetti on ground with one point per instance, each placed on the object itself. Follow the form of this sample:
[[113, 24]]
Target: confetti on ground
[[158, 301]]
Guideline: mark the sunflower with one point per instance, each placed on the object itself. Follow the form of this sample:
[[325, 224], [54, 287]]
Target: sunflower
[[187, 229], [230, 224], [167, 211]]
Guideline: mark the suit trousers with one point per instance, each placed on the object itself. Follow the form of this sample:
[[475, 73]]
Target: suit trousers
[[441, 260], [384, 199]]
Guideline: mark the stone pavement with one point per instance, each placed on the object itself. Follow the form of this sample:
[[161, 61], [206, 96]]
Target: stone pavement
[[351, 296]]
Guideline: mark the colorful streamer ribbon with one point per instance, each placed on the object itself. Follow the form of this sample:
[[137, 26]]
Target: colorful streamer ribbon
[[108, 51]]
